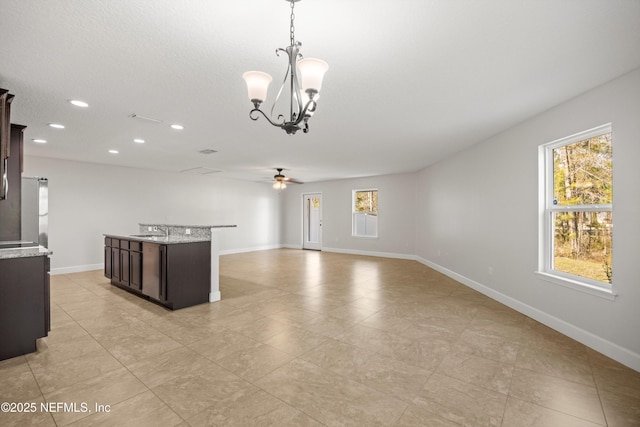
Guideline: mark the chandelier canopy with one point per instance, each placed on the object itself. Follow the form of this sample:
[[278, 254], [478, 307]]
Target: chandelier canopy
[[304, 78]]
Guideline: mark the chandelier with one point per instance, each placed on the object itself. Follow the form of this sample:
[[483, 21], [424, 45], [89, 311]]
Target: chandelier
[[303, 92]]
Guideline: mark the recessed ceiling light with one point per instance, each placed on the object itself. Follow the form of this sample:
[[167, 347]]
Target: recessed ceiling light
[[56, 125], [178, 127], [139, 141], [113, 151], [40, 141], [78, 103]]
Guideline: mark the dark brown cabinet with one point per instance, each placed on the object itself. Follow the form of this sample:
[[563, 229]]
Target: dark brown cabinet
[[123, 262], [135, 265], [24, 304], [10, 206], [176, 275], [186, 274], [107, 258]]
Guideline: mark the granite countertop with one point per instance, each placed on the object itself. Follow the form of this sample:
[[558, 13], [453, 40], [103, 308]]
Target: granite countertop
[[24, 252], [170, 233], [160, 238], [188, 226]]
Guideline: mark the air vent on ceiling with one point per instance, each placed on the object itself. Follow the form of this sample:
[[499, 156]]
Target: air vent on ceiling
[[207, 151], [145, 118], [201, 170]]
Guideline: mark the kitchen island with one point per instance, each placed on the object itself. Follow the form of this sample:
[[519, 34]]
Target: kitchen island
[[24, 297], [176, 266]]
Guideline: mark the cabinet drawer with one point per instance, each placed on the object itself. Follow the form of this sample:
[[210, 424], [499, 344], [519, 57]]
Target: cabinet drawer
[[135, 246], [124, 244], [107, 241]]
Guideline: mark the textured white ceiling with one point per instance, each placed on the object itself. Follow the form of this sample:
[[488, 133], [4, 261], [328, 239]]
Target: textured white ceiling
[[410, 81]]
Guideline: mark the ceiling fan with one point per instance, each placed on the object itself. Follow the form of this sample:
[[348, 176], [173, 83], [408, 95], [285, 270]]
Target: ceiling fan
[[281, 180]]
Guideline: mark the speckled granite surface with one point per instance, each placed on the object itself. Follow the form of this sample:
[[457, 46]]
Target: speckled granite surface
[[171, 239], [171, 233], [196, 231], [24, 252]]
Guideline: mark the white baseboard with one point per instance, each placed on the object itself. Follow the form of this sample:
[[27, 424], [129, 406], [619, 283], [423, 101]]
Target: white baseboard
[[291, 246], [76, 269], [370, 253], [90, 267], [612, 350], [252, 249]]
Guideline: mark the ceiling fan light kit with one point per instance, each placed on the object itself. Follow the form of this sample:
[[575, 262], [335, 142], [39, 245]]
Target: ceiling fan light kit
[[305, 86], [281, 180]]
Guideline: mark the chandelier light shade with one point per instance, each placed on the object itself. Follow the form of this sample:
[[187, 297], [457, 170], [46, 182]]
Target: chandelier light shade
[[311, 74], [279, 185], [303, 89], [257, 85]]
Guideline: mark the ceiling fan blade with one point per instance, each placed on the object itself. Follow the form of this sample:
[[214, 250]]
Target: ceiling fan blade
[[293, 181]]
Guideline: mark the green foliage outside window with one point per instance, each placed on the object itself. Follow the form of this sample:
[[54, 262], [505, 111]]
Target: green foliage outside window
[[366, 201], [582, 174]]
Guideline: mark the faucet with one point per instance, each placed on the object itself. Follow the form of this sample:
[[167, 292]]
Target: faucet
[[164, 230]]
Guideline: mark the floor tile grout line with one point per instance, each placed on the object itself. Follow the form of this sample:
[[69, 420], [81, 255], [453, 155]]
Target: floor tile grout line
[[396, 290]]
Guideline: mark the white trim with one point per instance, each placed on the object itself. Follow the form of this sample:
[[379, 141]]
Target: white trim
[[370, 253], [76, 269], [353, 213], [292, 246], [214, 281], [580, 285], [251, 249], [546, 211], [92, 267], [579, 136], [302, 234], [612, 350]]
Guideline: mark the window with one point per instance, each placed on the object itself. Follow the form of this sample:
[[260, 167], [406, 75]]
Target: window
[[577, 211], [365, 213]]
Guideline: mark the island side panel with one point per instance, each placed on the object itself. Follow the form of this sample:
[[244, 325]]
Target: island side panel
[[188, 274], [23, 309], [214, 293]]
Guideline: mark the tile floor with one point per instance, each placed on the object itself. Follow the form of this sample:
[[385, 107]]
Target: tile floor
[[307, 338]]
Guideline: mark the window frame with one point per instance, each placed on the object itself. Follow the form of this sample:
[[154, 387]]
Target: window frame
[[547, 211], [353, 213]]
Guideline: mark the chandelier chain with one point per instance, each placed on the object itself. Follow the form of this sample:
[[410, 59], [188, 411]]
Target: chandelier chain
[[292, 28]]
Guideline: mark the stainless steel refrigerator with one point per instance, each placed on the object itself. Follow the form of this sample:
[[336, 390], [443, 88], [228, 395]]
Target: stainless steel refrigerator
[[35, 210]]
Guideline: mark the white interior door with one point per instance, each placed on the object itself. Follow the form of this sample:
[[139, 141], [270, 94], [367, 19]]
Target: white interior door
[[312, 221]]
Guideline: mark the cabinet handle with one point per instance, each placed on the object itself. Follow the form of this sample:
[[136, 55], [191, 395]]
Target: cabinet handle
[[161, 271]]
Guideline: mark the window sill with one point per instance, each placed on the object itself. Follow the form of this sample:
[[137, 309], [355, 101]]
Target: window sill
[[577, 285], [365, 237]]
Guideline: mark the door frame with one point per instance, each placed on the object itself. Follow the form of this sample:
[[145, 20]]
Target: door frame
[[304, 219]]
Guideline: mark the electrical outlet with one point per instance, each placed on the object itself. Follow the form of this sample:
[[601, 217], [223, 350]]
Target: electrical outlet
[[490, 271], [187, 231], [149, 228]]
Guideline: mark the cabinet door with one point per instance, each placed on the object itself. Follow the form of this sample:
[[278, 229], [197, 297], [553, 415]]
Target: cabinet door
[[47, 295], [124, 267], [115, 264], [163, 273], [135, 264], [107, 262], [151, 270]]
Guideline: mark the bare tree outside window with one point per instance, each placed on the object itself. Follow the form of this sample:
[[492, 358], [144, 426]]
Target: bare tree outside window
[[365, 213], [582, 216]]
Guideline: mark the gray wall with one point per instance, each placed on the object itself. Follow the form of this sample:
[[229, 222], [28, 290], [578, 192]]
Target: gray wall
[[474, 211], [87, 200], [479, 209], [477, 212], [396, 205]]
